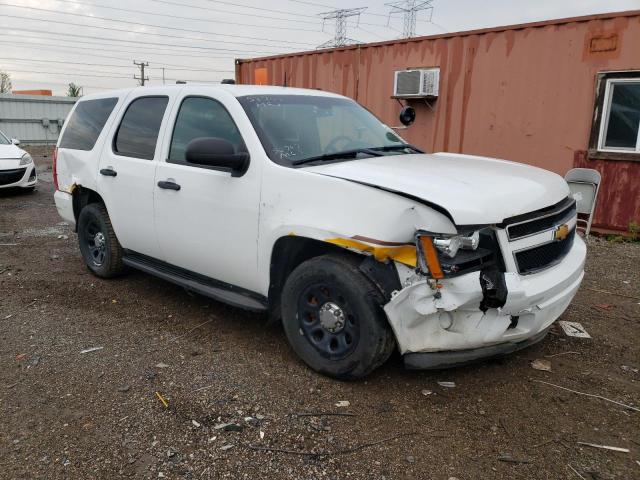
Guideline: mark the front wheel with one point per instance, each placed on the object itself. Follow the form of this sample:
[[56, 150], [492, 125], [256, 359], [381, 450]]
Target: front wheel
[[333, 318], [98, 243]]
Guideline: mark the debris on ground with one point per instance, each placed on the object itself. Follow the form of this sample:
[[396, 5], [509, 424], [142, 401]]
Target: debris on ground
[[574, 329], [604, 447], [630, 407], [162, 365], [509, 459], [343, 403], [426, 392], [229, 427], [163, 400], [92, 349], [539, 364], [447, 384]]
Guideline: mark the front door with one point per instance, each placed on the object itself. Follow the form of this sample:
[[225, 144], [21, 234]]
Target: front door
[[207, 220], [127, 171]]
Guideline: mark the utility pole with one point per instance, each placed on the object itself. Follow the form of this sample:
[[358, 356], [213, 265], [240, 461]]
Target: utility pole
[[410, 9], [163, 75], [340, 38], [142, 78]]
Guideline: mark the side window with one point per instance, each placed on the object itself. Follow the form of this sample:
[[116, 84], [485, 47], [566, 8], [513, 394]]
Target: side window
[[622, 110], [202, 117], [615, 133], [86, 123], [137, 134]]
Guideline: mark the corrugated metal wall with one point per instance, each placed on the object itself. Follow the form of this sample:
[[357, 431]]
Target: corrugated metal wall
[[33, 118], [523, 93]]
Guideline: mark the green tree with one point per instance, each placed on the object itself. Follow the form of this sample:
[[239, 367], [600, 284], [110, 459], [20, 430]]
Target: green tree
[[74, 90], [5, 82]]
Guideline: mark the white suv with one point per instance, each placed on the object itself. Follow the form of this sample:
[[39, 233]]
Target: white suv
[[302, 204], [17, 169]]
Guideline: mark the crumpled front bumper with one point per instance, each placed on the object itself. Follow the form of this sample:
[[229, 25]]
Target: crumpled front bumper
[[453, 323]]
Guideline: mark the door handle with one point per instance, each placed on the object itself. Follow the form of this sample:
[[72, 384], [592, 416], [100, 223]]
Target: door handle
[[108, 172], [169, 185]]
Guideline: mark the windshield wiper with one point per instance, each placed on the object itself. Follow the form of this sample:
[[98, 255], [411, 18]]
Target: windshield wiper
[[391, 148], [334, 156]]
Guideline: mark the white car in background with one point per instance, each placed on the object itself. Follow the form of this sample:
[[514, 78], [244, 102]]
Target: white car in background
[[16, 166]]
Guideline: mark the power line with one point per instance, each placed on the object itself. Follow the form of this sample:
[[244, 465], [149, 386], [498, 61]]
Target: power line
[[74, 47], [330, 6], [141, 24], [137, 42], [73, 74], [409, 10], [172, 16], [167, 66], [168, 2], [340, 38]]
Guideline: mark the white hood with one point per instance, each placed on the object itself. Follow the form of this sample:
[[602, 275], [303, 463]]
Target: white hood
[[10, 151], [474, 190]]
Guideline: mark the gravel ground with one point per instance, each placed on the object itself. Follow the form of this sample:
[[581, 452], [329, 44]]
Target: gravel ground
[[69, 414]]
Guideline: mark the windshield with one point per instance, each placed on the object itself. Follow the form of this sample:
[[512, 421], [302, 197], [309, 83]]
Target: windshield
[[4, 140], [295, 128]]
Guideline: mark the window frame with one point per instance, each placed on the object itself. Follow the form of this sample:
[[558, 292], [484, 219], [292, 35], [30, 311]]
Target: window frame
[[602, 108], [115, 135], [173, 130]]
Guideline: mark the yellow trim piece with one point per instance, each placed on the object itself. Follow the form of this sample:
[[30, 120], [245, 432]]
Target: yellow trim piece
[[404, 254]]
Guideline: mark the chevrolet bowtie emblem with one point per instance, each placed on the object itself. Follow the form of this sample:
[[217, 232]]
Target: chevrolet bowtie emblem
[[561, 232]]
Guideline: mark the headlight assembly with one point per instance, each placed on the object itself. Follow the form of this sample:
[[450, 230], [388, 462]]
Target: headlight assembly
[[441, 256], [26, 160]]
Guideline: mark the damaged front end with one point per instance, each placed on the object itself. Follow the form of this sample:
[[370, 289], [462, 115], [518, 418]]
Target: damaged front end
[[461, 304]]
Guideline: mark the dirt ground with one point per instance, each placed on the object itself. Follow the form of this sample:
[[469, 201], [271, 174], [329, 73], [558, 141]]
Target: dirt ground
[[69, 414]]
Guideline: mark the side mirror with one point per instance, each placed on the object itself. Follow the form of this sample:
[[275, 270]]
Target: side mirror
[[15, 141], [407, 115], [217, 152]]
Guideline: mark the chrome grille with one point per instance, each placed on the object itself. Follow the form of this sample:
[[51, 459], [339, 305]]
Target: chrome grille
[[542, 220]]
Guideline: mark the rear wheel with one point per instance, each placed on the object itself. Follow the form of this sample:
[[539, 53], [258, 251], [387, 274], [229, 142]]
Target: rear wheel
[[333, 318], [98, 242]]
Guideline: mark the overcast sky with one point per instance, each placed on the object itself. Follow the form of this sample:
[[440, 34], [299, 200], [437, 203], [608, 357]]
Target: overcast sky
[[49, 43]]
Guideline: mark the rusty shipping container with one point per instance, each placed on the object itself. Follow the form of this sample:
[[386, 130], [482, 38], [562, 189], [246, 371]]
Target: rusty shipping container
[[531, 93]]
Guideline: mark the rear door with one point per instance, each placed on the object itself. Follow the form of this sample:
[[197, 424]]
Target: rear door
[[127, 168], [210, 225]]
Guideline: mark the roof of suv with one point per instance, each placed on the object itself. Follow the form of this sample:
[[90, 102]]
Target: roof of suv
[[235, 90]]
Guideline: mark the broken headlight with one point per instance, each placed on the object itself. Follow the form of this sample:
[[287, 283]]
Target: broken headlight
[[447, 256]]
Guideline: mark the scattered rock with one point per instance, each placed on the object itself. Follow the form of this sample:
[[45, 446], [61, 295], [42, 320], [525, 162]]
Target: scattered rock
[[124, 388], [540, 364], [226, 447], [195, 424], [229, 427], [162, 365], [426, 393], [343, 403], [411, 459]]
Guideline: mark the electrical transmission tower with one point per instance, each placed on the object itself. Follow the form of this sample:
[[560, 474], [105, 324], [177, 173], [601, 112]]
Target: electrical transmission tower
[[340, 38], [142, 78], [410, 9]]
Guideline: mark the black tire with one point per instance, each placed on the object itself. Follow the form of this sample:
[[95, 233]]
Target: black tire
[[347, 342], [99, 245]]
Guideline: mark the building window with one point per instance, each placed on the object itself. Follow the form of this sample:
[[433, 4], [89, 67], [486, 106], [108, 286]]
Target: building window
[[616, 131]]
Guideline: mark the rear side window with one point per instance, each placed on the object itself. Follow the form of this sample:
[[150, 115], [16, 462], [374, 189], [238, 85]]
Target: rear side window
[[137, 134], [86, 123]]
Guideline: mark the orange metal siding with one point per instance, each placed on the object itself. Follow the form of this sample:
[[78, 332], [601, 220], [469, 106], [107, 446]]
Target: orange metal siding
[[523, 93]]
